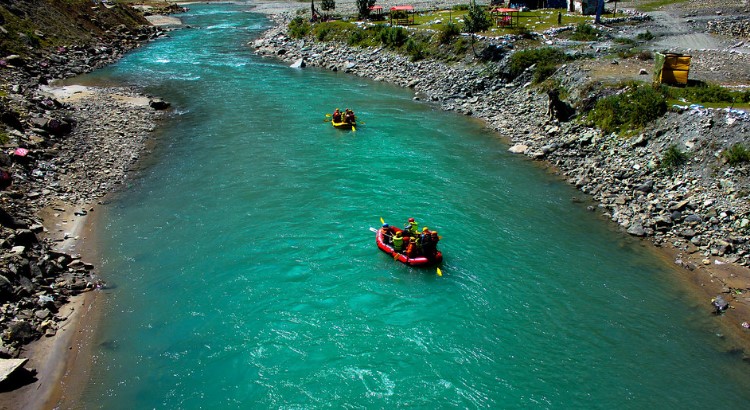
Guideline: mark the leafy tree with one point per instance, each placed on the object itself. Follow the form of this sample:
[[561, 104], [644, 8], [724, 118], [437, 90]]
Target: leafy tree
[[328, 5], [476, 20], [363, 7]]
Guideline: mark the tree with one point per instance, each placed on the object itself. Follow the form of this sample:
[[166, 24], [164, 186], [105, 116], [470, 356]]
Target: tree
[[475, 21], [363, 6], [328, 5]]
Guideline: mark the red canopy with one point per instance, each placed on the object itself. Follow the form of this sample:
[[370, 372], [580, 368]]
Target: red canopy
[[376, 8], [505, 10], [404, 8]]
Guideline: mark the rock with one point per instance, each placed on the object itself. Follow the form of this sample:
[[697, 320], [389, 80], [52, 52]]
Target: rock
[[300, 63], [20, 332], [637, 230], [158, 104], [518, 149], [645, 187]]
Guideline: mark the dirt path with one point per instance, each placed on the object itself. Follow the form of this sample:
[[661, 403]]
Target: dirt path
[[674, 33]]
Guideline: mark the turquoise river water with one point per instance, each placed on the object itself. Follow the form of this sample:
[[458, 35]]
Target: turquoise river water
[[244, 274]]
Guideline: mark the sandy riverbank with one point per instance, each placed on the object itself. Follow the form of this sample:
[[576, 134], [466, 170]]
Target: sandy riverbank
[[61, 360]]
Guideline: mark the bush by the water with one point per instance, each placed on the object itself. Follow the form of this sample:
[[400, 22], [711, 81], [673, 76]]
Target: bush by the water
[[628, 110], [299, 27]]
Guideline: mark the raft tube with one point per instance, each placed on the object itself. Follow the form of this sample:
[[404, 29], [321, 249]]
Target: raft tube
[[418, 261], [343, 125]]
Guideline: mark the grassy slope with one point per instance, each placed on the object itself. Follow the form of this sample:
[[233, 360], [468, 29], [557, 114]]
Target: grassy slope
[[30, 26]]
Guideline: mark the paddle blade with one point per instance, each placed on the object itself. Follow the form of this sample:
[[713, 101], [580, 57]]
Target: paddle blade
[[381, 220], [373, 229], [328, 115], [354, 129], [439, 272]]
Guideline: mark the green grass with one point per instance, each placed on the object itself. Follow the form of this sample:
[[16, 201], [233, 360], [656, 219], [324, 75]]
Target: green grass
[[709, 95], [546, 60]]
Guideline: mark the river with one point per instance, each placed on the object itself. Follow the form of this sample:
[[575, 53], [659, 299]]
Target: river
[[243, 272]]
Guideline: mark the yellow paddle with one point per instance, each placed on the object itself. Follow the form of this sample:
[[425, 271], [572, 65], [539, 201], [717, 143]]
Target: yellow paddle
[[439, 272], [381, 220]]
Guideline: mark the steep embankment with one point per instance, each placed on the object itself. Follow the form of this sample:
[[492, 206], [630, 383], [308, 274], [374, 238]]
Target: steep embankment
[[33, 26]]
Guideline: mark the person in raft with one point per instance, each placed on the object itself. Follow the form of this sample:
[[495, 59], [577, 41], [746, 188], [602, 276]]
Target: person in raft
[[411, 229], [398, 242], [349, 116], [337, 115], [424, 240], [387, 236]]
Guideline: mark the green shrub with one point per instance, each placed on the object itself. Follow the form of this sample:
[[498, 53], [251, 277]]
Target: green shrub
[[460, 7], [448, 32], [356, 37], [625, 41], [299, 28], [736, 154], [321, 33], [630, 110], [672, 158], [647, 36], [327, 5], [416, 49], [393, 37], [521, 60], [585, 32]]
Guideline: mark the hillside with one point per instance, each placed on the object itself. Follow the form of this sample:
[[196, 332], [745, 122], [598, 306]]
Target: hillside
[[31, 27]]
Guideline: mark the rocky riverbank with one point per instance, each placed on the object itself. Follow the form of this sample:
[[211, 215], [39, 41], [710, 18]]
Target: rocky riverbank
[[700, 213], [63, 150]]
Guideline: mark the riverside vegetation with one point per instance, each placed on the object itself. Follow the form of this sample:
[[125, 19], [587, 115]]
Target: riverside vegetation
[[665, 163]]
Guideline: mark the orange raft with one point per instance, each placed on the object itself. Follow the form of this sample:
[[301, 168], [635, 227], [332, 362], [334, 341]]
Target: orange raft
[[421, 260]]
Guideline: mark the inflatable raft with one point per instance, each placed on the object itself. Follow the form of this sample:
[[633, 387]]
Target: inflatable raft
[[422, 260], [344, 125]]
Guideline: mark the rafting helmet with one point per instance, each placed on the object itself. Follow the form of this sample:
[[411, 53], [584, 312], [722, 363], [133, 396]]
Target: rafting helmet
[[425, 229], [385, 225], [411, 219]]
